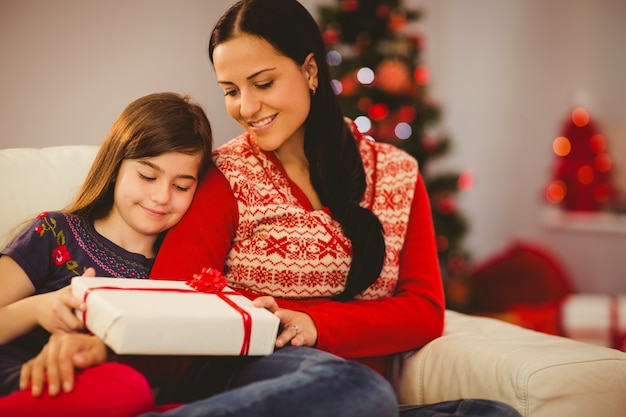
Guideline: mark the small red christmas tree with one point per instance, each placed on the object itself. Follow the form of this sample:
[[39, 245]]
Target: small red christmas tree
[[582, 170]]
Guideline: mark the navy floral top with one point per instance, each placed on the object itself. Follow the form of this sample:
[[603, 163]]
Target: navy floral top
[[52, 249]]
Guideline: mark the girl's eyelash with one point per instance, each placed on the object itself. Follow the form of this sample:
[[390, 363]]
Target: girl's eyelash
[[178, 187], [266, 85]]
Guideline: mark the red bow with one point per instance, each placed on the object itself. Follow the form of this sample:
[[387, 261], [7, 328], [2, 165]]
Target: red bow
[[210, 281]]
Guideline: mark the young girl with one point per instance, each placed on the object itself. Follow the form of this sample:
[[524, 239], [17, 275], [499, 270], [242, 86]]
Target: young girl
[[141, 183]]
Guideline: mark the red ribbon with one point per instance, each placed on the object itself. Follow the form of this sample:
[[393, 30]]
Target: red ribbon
[[195, 283]]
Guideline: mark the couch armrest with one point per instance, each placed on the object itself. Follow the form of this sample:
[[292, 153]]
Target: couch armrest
[[538, 374], [37, 179]]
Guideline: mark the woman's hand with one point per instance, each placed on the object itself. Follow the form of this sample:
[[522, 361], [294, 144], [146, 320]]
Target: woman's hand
[[55, 310], [298, 328], [56, 362]]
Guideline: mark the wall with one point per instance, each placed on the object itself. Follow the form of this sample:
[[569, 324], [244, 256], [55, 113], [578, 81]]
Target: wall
[[505, 73], [69, 67]]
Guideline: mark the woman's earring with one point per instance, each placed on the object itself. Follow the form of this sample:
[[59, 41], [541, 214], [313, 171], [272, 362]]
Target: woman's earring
[[313, 91]]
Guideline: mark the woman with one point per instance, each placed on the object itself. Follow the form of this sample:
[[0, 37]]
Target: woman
[[327, 229]]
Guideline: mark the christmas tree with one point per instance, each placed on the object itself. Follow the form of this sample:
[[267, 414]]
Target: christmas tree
[[582, 168], [382, 84]]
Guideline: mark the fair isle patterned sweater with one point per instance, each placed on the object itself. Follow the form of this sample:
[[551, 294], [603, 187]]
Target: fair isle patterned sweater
[[250, 220], [284, 248]]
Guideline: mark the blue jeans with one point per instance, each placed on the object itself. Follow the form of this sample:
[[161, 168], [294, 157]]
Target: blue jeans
[[460, 408], [297, 381]]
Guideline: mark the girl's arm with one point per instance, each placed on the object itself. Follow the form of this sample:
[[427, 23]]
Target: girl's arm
[[21, 311]]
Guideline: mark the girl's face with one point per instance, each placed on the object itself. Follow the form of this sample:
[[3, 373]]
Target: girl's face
[[152, 194], [266, 92]]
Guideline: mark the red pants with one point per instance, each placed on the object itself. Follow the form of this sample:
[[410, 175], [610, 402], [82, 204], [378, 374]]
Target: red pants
[[108, 390]]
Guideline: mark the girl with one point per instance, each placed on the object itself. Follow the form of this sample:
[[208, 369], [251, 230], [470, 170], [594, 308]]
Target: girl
[[141, 183]]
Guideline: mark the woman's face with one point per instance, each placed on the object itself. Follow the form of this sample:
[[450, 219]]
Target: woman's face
[[266, 92]]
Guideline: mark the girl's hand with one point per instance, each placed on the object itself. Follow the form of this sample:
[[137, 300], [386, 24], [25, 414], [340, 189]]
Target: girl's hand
[[55, 311], [298, 328], [56, 362]]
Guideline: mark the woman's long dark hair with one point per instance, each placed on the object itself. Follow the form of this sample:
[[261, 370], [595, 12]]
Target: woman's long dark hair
[[336, 167]]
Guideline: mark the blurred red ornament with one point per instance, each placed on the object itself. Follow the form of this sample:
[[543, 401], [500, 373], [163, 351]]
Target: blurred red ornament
[[364, 104], [349, 85], [581, 171], [378, 111], [465, 181], [331, 35], [407, 114], [349, 5], [382, 11], [393, 76], [446, 205], [397, 20], [421, 75]]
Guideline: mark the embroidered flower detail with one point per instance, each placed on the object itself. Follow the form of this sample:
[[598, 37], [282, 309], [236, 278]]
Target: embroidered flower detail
[[210, 280], [60, 255]]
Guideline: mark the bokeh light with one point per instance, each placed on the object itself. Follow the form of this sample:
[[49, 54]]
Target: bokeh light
[[403, 130], [465, 181], [585, 174], [334, 58], [365, 76], [337, 86], [364, 104], [601, 193], [603, 162], [597, 143], [363, 123], [556, 192], [561, 146], [580, 117], [378, 111], [421, 75], [407, 114]]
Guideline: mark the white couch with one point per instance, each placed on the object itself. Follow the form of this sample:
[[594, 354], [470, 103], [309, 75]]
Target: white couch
[[538, 374]]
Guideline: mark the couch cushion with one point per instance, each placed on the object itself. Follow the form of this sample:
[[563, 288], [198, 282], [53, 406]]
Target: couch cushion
[[538, 374], [37, 179]]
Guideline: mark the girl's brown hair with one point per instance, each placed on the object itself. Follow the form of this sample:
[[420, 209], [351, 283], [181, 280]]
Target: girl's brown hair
[[147, 127]]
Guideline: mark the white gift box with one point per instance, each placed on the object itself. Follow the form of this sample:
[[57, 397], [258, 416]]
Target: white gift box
[[598, 319], [159, 317]]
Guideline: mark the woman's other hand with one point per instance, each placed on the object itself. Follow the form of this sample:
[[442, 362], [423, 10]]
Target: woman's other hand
[[298, 328], [56, 362]]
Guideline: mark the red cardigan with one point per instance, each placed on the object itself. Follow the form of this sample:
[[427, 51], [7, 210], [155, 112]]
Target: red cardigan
[[369, 331]]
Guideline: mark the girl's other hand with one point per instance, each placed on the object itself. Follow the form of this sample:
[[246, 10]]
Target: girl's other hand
[[298, 328], [56, 362]]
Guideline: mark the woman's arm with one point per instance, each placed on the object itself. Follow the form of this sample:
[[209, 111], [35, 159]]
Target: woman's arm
[[410, 318]]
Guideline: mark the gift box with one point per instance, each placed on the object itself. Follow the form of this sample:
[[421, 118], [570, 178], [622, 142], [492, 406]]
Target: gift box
[[160, 317], [598, 319]]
